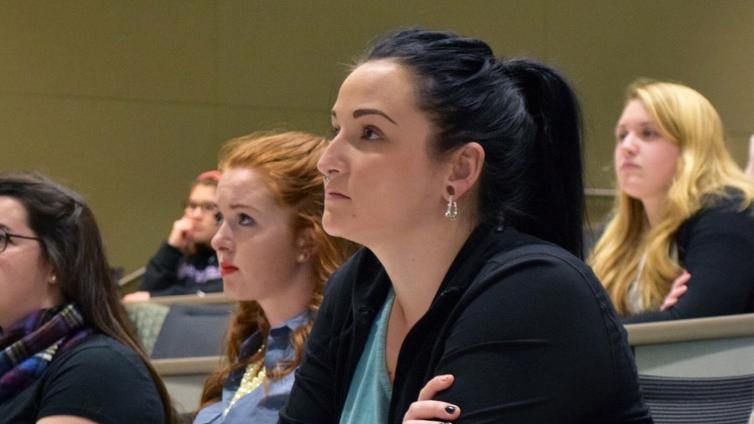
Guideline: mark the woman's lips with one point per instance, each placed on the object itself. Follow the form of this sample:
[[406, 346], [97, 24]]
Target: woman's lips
[[334, 195], [227, 268]]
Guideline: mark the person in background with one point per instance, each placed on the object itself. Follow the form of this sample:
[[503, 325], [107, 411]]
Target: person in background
[[680, 240], [186, 263], [275, 258], [67, 352], [461, 175]]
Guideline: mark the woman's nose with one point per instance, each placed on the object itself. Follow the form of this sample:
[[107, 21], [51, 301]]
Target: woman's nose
[[331, 161], [221, 240], [629, 144]]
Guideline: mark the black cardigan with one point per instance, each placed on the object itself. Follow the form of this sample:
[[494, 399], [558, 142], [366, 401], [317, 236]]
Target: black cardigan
[[524, 326], [716, 246]]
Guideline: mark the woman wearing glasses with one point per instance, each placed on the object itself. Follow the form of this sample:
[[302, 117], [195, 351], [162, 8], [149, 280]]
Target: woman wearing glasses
[[67, 354], [186, 263]]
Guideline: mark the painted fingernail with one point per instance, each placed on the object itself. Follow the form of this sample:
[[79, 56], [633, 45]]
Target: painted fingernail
[[450, 409]]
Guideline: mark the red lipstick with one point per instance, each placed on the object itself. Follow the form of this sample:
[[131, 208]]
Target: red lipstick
[[227, 268]]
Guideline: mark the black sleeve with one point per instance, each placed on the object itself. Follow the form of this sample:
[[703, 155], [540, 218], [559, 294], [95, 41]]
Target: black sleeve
[[162, 269], [718, 252], [312, 399], [541, 345], [103, 385]]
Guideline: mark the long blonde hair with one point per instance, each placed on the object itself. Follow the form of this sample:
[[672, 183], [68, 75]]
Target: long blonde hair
[[289, 162], [705, 172]]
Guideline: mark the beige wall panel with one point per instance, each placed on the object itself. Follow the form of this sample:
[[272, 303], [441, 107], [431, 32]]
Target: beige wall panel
[[136, 49], [236, 121], [605, 45], [512, 27], [132, 161], [295, 53]]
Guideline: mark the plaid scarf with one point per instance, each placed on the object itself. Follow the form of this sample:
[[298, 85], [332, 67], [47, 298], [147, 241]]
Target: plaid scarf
[[28, 347]]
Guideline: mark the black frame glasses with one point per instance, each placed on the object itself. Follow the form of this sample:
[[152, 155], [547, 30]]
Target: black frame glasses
[[206, 207], [5, 238]]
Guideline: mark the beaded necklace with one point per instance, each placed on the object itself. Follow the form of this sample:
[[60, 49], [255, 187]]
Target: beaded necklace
[[253, 376]]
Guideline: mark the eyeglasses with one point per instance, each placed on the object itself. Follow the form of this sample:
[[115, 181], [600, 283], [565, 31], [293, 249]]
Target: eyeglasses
[[5, 238], [208, 207]]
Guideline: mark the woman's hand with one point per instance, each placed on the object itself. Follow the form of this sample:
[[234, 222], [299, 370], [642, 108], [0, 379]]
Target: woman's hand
[[138, 296], [425, 410], [679, 287], [180, 234]]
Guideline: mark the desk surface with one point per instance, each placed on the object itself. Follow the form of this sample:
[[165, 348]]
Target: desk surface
[[685, 330], [189, 299]]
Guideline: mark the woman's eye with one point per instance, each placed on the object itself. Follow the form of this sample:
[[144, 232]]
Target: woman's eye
[[649, 133], [245, 220], [621, 135], [218, 218], [371, 133], [334, 131]]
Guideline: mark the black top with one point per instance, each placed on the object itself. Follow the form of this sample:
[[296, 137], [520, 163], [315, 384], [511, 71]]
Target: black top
[[170, 273], [100, 379], [716, 246], [524, 326]]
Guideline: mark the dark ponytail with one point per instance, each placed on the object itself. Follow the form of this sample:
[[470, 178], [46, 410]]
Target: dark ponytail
[[524, 115], [556, 198]]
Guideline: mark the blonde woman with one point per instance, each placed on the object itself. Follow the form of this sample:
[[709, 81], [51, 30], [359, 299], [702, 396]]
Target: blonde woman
[[680, 241], [274, 257]]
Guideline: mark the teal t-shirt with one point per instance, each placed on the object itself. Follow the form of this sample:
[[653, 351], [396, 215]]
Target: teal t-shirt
[[368, 399]]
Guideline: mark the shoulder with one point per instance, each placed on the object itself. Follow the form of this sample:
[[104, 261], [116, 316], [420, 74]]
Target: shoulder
[[100, 350], [540, 304], [543, 288], [103, 380], [724, 216], [540, 266]]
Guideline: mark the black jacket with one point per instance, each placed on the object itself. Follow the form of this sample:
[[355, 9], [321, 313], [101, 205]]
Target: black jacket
[[170, 272], [716, 246], [524, 326]]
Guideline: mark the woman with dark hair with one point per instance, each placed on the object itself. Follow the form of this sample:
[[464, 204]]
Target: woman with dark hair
[[275, 258], [186, 263], [461, 175], [68, 354]]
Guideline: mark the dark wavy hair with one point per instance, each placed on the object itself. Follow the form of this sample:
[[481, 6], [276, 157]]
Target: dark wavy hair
[[523, 114], [72, 244]]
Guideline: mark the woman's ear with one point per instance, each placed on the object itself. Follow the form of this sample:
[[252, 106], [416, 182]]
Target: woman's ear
[[305, 246], [466, 165]]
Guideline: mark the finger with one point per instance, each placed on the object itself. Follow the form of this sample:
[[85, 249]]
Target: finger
[[431, 409], [425, 422], [683, 278], [435, 385], [672, 298]]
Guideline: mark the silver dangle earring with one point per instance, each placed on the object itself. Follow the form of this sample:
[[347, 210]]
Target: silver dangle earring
[[451, 212]]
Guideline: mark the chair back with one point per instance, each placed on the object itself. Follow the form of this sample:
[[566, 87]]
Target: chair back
[[193, 330], [719, 400]]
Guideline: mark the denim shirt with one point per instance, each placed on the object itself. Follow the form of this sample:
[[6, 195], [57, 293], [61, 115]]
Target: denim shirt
[[263, 403]]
